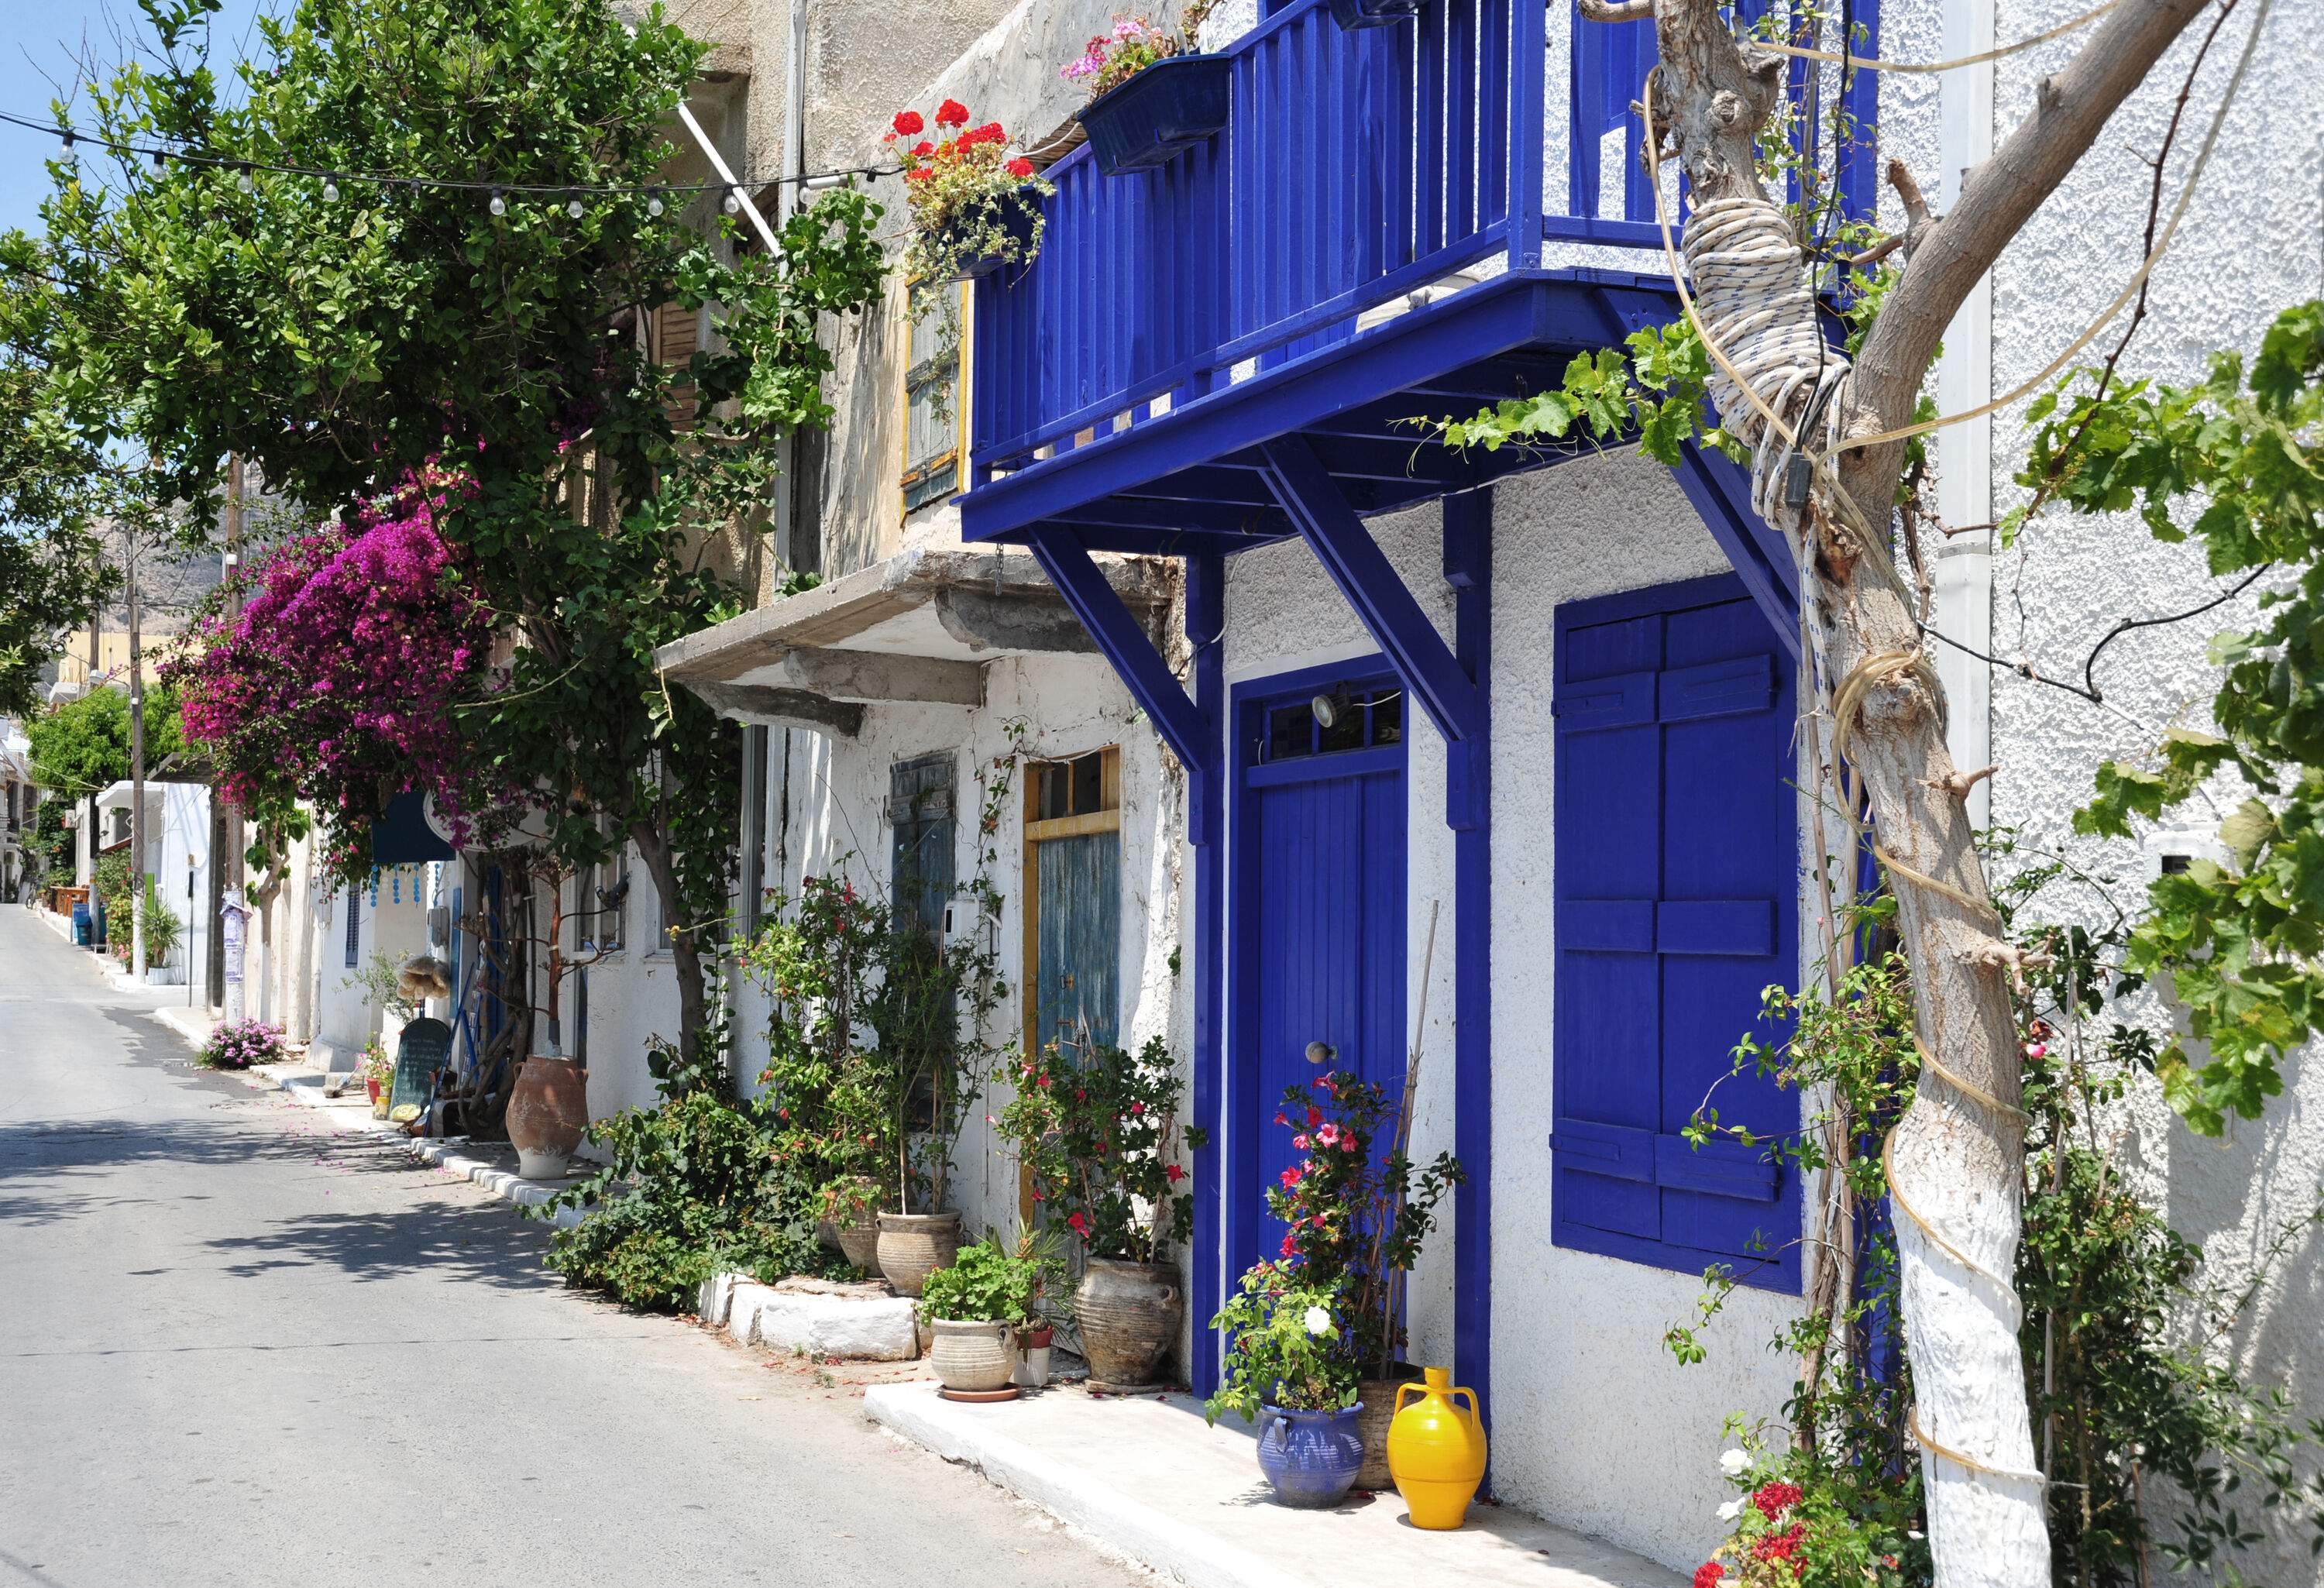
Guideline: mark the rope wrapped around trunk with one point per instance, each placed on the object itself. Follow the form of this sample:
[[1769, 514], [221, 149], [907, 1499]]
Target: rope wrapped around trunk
[[1757, 302]]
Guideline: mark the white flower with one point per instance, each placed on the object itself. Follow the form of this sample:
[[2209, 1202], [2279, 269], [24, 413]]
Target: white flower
[[1318, 1320], [1735, 1463], [1730, 1511]]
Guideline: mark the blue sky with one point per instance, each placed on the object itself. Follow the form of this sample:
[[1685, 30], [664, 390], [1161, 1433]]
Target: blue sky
[[41, 41]]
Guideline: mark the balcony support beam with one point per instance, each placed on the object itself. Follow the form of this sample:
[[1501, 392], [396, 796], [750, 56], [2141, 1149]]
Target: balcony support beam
[[1125, 643], [1424, 663]]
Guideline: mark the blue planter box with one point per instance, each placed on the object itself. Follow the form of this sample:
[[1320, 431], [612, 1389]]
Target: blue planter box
[[1163, 111], [1019, 224], [1372, 14]]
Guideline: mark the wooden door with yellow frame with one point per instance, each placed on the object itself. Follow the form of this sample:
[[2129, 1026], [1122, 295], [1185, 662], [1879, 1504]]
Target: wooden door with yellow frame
[[1073, 907]]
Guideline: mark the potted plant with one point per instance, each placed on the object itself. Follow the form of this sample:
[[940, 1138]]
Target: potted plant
[[1094, 1127], [1152, 96], [850, 1209], [378, 1072], [975, 207], [1289, 1368], [973, 1307], [1051, 1299], [1356, 1218]]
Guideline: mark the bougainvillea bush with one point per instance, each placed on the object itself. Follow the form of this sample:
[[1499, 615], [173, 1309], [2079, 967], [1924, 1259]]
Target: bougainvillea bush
[[340, 679], [237, 1045]]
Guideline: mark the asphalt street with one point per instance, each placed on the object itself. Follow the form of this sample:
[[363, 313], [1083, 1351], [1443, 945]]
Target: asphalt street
[[235, 1348]]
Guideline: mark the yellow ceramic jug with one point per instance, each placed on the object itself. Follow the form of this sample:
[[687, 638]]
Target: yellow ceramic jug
[[1436, 1450]]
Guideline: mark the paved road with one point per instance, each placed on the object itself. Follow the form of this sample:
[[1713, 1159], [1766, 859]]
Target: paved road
[[237, 1350]]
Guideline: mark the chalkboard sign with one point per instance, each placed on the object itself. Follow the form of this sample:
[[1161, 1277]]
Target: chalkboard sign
[[420, 1052]]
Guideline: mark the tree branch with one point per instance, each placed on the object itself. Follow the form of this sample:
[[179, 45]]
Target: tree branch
[[1996, 199]]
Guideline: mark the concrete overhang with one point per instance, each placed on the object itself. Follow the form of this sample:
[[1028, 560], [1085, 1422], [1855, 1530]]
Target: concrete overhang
[[916, 628]]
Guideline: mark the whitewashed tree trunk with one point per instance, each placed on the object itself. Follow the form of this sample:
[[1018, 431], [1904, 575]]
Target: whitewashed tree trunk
[[1956, 1159]]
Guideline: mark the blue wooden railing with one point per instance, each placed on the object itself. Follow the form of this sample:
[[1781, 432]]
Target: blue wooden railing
[[1356, 165]]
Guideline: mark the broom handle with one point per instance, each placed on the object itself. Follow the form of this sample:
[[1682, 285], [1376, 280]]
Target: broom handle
[[1392, 1286]]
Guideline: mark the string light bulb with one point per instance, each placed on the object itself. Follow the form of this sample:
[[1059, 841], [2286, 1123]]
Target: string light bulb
[[573, 206], [242, 180], [498, 206], [654, 206], [160, 159], [71, 156], [734, 201], [330, 189]]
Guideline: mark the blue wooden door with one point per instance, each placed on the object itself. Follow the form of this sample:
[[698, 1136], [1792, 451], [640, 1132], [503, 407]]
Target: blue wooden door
[[1320, 879], [1677, 888], [1077, 995]]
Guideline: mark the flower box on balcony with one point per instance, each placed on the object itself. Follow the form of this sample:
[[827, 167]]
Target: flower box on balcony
[[1165, 110], [1017, 221], [1372, 14]]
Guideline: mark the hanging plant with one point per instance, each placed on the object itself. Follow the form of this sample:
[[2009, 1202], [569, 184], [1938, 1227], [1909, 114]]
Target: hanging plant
[[975, 208]]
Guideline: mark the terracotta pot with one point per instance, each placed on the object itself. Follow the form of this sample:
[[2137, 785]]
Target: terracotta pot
[[1033, 1346], [859, 1244], [974, 1354], [1379, 1397], [1129, 1314], [914, 1245], [547, 1113]]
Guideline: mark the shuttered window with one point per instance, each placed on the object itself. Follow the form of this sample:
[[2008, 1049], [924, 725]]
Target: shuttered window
[[935, 399], [920, 815], [1677, 888], [676, 332]]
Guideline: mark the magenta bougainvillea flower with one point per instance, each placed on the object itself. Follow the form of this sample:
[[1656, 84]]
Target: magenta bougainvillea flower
[[340, 678]]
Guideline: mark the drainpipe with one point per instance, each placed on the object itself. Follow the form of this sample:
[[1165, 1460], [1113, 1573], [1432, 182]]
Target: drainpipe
[[1964, 452]]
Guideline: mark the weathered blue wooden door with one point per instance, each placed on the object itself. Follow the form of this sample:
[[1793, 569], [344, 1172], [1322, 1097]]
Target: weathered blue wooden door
[[1320, 915], [1676, 890]]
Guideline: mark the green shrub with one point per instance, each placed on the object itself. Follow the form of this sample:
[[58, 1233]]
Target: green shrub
[[692, 1190], [984, 1282]]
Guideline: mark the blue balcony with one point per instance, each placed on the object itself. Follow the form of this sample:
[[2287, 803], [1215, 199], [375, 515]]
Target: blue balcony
[[1177, 318]]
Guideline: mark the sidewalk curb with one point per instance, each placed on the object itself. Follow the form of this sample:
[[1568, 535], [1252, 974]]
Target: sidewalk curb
[[513, 1189], [1114, 1521]]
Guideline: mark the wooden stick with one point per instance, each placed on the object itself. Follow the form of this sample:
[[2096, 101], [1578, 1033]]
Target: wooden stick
[[1392, 1284]]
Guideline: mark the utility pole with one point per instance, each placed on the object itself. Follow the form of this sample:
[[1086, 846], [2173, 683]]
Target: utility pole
[[136, 767], [225, 821]]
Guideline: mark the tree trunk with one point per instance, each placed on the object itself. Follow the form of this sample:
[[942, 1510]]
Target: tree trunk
[[1955, 1158], [684, 944]]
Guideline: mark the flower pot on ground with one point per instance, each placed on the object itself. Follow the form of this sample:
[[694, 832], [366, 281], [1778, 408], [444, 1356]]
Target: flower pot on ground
[[1288, 1367], [973, 1307], [913, 1245], [1436, 1450], [1310, 1457], [1378, 1398], [1033, 1347], [850, 1208], [1094, 1127], [1130, 1315], [548, 1110], [1151, 97]]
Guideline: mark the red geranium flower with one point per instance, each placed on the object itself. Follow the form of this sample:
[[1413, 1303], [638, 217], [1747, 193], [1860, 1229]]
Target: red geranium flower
[[1708, 1574], [918, 173], [1173, 1173], [1019, 167], [923, 149], [1775, 1499], [991, 133], [952, 113], [909, 121]]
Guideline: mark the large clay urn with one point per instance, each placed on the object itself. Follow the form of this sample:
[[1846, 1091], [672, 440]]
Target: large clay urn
[[914, 1245], [547, 1113], [976, 1356], [1129, 1314]]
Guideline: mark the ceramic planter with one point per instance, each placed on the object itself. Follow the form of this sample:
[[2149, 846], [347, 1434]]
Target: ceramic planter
[[975, 1356], [1378, 1396], [1310, 1457], [1129, 1314], [859, 1243], [547, 1112], [914, 1245], [1156, 115], [1372, 14], [1033, 1357], [1436, 1450]]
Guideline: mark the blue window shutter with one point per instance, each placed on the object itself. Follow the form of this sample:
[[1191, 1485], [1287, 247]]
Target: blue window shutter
[[1078, 958], [1676, 882], [921, 865]]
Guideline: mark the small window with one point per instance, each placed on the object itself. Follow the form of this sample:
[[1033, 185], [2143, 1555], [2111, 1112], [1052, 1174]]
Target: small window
[[935, 394], [601, 905], [1079, 787], [354, 927], [1335, 720]]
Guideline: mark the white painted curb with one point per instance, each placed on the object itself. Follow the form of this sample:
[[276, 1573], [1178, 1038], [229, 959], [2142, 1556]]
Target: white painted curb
[[1074, 1497]]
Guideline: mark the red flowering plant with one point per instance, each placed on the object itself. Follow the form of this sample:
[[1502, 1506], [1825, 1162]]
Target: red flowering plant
[[1791, 1527], [970, 200], [1356, 1210], [1094, 1127]]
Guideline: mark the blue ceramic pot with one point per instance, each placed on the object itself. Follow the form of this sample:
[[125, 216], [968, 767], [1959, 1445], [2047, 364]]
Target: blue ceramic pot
[[1310, 1457]]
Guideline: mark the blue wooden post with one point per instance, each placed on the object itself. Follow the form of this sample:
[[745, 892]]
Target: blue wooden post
[[1469, 569], [1206, 581], [1118, 634], [1529, 88]]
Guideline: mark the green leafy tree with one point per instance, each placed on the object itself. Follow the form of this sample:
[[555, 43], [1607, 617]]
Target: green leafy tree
[[340, 344], [82, 745]]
